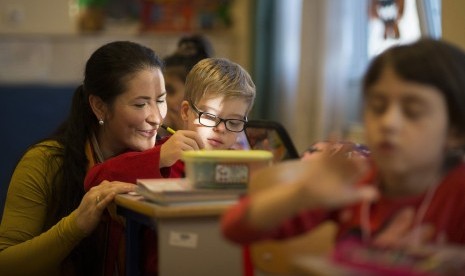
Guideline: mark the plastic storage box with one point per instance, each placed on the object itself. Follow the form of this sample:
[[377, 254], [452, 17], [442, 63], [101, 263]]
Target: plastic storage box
[[224, 169]]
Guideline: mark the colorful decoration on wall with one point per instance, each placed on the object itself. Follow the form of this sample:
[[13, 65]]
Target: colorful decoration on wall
[[91, 15], [185, 15]]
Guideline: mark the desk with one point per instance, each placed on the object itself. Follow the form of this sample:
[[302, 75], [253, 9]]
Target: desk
[[279, 257], [318, 266], [189, 237]]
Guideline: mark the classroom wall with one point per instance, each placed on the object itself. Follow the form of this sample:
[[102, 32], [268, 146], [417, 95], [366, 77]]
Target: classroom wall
[[41, 37], [453, 21], [35, 17]]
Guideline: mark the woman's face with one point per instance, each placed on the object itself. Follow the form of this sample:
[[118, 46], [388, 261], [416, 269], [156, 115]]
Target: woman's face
[[217, 138], [131, 123], [174, 96], [406, 123]]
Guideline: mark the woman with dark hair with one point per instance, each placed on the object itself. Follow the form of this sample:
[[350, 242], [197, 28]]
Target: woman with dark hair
[[49, 223], [191, 49]]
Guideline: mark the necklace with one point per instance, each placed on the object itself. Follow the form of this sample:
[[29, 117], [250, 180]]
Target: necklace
[[419, 216]]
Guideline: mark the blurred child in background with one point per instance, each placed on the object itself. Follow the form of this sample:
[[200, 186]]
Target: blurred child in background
[[404, 212], [191, 49]]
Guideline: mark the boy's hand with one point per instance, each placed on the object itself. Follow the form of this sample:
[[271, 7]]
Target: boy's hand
[[182, 140]]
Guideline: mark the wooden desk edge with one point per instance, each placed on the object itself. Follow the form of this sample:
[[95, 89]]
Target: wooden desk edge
[[153, 210]]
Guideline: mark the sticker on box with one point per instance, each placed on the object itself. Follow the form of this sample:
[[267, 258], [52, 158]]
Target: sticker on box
[[231, 173]]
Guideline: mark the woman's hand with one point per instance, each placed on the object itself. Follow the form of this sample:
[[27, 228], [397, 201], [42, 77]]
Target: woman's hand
[[182, 140], [96, 200]]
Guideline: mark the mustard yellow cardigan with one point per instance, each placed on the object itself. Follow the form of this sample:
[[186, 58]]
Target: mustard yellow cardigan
[[26, 246]]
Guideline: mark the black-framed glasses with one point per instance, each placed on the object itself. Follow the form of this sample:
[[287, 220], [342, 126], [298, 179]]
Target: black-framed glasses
[[211, 120]]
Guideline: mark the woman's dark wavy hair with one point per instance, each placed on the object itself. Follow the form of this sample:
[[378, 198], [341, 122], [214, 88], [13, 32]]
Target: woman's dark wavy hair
[[106, 73], [191, 49], [430, 62]]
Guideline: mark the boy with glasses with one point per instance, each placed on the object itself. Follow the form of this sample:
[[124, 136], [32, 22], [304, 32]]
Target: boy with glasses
[[219, 96]]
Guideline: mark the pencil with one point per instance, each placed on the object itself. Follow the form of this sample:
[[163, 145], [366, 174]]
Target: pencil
[[170, 130]]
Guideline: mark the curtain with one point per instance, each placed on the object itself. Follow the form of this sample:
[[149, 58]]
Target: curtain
[[429, 15], [276, 56], [309, 58]]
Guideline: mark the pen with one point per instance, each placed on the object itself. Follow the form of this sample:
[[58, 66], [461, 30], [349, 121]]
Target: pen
[[170, 130]]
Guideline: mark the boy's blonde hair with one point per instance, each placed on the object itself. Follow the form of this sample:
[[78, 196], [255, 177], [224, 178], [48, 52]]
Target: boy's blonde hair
[[214, 77]]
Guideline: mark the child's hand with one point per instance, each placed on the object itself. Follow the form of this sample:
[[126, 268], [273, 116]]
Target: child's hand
[[182, 140], [327, 180], [331, 176], [401, 232], [401, 247], [352, 150]]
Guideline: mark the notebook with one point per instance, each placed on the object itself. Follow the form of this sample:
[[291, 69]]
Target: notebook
[[168, 191]]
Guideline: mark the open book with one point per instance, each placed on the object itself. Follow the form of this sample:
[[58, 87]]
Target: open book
[[180, 190]]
